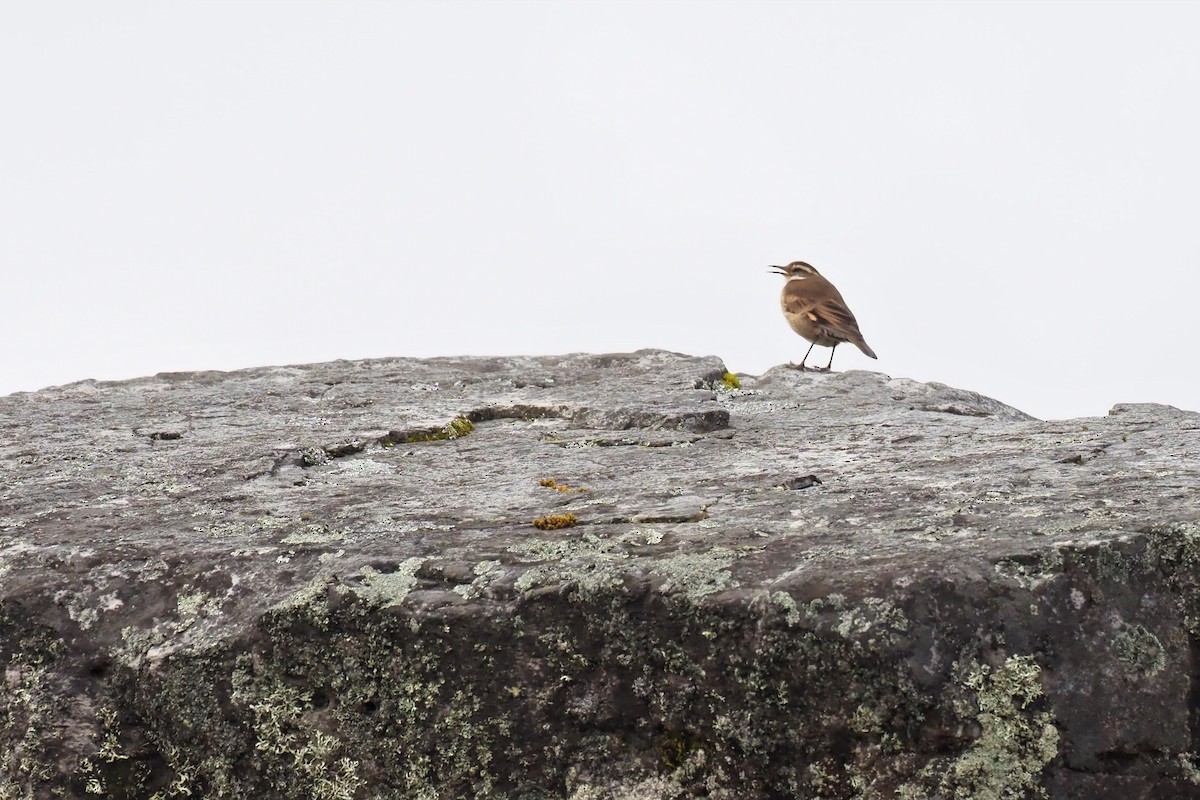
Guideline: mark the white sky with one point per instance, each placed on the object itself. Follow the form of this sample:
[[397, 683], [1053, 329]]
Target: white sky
[[1008, 195]]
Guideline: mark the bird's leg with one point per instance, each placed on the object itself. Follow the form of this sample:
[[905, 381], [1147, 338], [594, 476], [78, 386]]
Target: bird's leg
[[829, 366], [801, 366]]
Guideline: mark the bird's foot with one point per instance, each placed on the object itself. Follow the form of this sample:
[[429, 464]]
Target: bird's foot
[[800, 367]]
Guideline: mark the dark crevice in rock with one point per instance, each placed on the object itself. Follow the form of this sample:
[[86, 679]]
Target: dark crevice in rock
[[656, 518], [667, 442], [456, 428], [710, 379], [345, 449], [706, 421], [623, 419], [679, 510], [1083, 458], [908, 439], [803, 482], [956, 410], [278, 462], [624, 441], [525, 413]]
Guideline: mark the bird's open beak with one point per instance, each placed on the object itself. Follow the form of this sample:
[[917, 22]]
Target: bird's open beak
[[777, 270]]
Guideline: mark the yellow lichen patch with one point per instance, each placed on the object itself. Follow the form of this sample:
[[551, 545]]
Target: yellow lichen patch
[[731, 381], [555, 521], [550, 483]]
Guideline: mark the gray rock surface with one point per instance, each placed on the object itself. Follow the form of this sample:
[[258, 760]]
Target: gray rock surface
[[325, 581]]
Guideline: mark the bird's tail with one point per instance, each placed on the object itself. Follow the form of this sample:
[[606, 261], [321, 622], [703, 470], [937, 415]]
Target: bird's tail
[[866, 348]]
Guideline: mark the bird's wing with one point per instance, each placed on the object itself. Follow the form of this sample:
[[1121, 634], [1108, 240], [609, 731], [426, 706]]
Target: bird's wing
[[834, 318]]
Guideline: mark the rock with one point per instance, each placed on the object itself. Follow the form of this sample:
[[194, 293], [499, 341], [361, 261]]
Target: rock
[[325, 581]]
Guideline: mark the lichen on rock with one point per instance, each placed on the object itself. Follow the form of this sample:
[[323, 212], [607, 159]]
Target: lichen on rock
[[328, 585]]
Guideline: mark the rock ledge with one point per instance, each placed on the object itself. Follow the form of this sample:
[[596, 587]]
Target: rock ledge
[[325, 581]]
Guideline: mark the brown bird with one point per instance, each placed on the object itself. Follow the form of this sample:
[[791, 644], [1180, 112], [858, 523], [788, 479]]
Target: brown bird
[[815, 310]]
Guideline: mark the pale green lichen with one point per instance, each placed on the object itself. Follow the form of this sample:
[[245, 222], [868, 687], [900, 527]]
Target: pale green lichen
[[297, 704], [189, 605], [588, 562], [31, 706], [874, 622], [95, 769], [1047, 565], [787, 603], [309, 733], [1017, 739], [315, 533], [485, 573], [235, 527], [185, 771], [389, 588], [110, 743], [695, 575], [136, 642], [1140, 651], [307, 596], [591, 564], [297, 751], [1187, 765], [79, 608]]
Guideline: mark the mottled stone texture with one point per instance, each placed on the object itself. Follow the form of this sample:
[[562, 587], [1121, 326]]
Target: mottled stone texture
[[325, 582]]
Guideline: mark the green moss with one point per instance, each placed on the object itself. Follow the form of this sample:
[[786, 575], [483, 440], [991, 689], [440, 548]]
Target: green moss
[[459, 426], [731, 381], [456, 428]]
